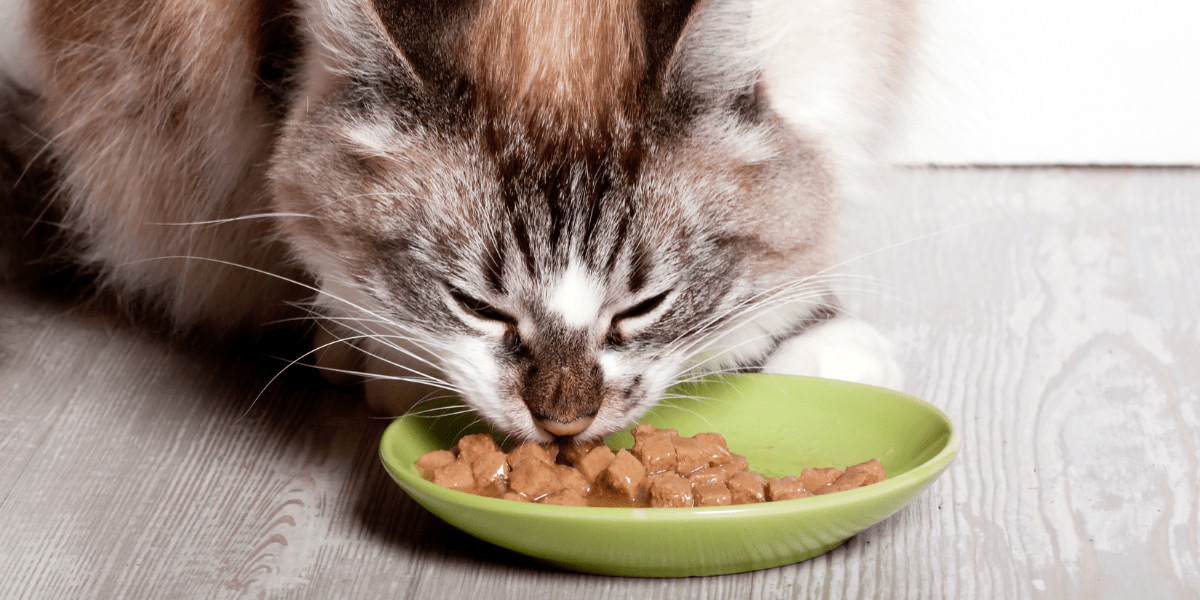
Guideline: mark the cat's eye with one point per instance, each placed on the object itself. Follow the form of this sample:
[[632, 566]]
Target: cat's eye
[[640, 309], [481, 309]]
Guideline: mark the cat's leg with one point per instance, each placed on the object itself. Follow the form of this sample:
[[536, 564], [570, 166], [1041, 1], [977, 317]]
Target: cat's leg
[[842, 348]]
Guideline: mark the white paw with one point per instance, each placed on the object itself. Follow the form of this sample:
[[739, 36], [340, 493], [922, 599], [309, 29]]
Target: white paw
[[842, 348]]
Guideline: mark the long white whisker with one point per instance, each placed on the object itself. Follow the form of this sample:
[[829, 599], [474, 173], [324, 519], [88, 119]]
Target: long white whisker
[[746, 317], [429, 378], [385, 340], [235, 219]]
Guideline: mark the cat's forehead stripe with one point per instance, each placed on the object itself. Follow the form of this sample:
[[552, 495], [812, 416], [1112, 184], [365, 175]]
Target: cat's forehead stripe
[[577, 296]]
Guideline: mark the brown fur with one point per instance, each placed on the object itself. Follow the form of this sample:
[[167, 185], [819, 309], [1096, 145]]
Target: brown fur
[[159, 100], [569, 66]]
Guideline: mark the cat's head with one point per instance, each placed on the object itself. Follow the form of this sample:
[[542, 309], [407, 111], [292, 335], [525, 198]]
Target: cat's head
[[565, 204]]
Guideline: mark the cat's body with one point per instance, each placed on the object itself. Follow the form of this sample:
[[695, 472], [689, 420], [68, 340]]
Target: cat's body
[[554, 209]]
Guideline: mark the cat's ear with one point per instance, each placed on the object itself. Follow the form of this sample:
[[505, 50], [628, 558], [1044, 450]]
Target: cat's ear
[[423, 32], [713, 59], [402, 38]]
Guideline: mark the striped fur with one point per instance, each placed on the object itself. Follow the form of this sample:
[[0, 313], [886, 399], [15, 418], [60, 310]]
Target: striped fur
[[551, 209]]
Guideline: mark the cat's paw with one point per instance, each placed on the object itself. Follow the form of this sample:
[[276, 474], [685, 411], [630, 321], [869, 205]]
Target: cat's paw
[[842, 348]]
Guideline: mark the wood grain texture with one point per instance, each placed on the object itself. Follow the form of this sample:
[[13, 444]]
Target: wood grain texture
[[1051, 312]]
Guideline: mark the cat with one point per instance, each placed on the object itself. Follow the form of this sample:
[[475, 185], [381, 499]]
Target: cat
[[554, 210]]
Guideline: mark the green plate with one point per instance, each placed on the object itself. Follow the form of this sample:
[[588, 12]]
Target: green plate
[[782, 424]]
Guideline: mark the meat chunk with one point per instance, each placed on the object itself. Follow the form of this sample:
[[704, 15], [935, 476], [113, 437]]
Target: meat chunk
[[455, 475], [534, 478], [572, 479], [490, 470], [712, 494], [624, 476], [856, 476], [689, 455], [595, 462], [569, 453], [432, 460], [785, 488], [815, 479], [711, 474], [746, 487], [670, 490], [528, 451], [473, 445], [715, 449], [656, 453]]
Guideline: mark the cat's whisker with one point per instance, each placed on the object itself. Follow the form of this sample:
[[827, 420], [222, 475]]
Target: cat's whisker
[[349, 340], [784, 288], [436, 409], [425, 379], [474, 422], [903, 243], [744, 315], [432, 414], [706, 343], [382, 377], [431, 397], [386, 340], [749, 302], [270, 215], [790, 292], [383, 339], [697, 398], [691, 412]]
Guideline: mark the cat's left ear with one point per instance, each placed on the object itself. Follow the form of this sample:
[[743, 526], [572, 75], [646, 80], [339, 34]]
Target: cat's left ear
[[714, 61], [403, 39]]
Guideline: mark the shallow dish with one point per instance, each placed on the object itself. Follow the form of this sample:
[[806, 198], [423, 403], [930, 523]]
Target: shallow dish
[[781, 424]]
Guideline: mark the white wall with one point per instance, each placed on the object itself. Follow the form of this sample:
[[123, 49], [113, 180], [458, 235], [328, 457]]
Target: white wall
[[1055, 82]]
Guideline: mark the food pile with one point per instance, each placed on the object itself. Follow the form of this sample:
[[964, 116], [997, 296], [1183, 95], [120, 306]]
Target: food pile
[[662, 470]]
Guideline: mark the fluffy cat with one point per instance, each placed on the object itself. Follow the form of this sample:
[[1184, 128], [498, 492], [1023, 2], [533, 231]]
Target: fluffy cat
[[553, 209]]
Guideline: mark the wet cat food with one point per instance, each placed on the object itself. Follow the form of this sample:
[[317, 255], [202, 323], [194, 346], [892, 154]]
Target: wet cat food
[[662, 470]]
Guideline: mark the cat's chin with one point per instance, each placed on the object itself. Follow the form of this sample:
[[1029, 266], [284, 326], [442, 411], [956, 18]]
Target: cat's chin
[[841, 348]]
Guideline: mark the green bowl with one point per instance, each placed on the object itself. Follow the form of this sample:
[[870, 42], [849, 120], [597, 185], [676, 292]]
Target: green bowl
[[781, 424]]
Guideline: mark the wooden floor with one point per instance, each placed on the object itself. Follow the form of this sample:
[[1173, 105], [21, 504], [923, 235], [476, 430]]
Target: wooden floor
[[1053, 313]]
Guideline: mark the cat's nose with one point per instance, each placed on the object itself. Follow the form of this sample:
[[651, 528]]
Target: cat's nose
[[559, 428]]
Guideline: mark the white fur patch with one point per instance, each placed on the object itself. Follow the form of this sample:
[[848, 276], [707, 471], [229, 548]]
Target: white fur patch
[[611, 365], [842, 348], [577, 297], [15, 52], [373, 137]]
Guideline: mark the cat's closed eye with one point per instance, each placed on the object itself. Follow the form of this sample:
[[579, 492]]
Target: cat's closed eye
[[481, 310], [628, 321], [640, 309]]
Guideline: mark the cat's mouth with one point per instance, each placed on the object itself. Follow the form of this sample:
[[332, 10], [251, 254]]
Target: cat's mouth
[[559, 428]]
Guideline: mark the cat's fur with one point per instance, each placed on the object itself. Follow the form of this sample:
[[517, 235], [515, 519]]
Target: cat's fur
[[553, 209]]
